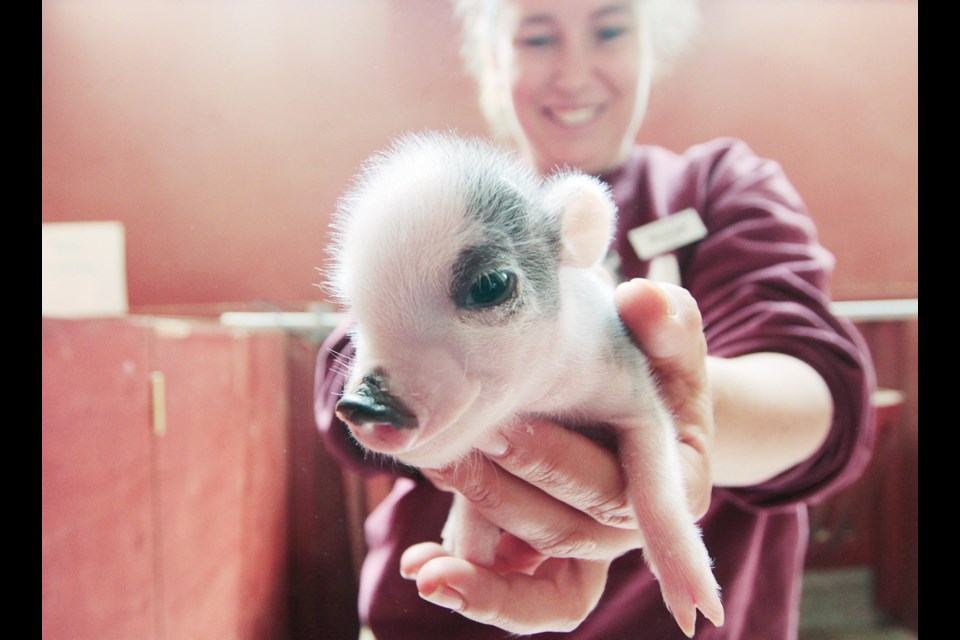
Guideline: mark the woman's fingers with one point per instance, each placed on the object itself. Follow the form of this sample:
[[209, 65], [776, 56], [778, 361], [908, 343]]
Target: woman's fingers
[[565, 465], [665, 321], [557, 490], [513, 555], [418, 555], [557, 597]]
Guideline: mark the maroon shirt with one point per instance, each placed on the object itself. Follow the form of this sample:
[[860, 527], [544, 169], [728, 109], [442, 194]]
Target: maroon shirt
[[761, 281]]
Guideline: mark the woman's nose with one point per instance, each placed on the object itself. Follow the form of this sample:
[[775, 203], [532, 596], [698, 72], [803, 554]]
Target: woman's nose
[[573, 69]]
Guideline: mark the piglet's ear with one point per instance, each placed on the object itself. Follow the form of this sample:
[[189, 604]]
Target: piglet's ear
[[587, 215]]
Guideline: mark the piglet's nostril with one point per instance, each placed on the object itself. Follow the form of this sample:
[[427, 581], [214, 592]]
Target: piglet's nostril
[[369, 404]]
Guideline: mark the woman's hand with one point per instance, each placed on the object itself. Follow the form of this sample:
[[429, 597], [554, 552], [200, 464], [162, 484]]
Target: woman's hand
[[560, 498]]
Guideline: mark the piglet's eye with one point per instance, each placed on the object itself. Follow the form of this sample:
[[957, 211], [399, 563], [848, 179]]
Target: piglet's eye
[[490, 289]]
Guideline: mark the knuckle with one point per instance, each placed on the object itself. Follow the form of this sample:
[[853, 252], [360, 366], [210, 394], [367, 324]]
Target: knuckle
[[612, 508], [547, 470], [501, 619], [568, 543], [477, 488], [483, 496], [607, 503], [592, 545], [531, 621], [539, 469]]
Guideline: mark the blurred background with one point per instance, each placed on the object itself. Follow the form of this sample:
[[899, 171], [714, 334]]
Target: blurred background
[[219, 134]]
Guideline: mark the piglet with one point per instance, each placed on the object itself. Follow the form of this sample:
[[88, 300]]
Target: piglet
[[479, 302]]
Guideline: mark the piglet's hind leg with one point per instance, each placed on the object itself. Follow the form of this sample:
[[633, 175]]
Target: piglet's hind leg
[[673, 546]]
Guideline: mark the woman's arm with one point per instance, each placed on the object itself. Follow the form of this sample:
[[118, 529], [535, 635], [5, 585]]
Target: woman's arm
[[772, 412]]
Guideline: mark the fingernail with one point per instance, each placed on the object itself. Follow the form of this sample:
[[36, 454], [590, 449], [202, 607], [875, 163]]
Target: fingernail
[[496, 445], [445, 597], [671, 308]]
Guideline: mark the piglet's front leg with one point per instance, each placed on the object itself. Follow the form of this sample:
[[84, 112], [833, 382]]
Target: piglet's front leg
[[468, 534]]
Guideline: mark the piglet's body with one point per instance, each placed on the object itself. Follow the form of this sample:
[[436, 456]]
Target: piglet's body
[[478, 303]]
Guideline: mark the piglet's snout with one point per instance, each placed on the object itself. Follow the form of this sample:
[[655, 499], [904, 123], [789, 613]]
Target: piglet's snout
[[370, 403]]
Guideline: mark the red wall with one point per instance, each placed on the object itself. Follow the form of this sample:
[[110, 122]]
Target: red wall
[[221, 132]]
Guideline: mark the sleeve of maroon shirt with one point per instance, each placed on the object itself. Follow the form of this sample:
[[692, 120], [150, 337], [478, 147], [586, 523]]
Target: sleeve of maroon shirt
[[761, 279]]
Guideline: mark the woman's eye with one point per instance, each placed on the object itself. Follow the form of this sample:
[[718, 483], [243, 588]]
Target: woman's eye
[[535, 41], [610, 33], [490, 289]]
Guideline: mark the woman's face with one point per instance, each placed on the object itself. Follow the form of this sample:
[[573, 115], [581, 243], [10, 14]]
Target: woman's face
[[578, 80]]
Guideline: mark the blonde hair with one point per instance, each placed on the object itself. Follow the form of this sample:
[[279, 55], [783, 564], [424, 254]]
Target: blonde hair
[[670, 24]]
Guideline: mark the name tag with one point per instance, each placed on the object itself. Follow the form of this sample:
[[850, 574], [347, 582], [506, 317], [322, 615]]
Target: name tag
[[665, 235]]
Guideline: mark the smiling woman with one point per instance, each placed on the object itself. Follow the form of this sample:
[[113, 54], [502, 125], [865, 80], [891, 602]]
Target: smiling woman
[[579, 83], [578, 75]]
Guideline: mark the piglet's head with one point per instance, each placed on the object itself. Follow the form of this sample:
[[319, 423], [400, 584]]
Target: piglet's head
[[450, 255]]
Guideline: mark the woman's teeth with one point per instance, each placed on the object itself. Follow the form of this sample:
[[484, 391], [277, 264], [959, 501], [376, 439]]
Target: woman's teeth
[[575, 117]]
